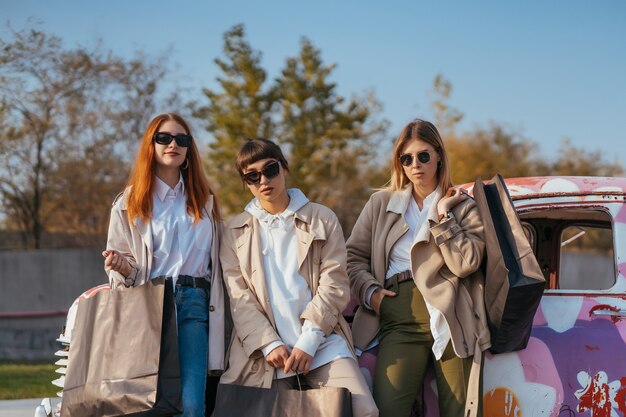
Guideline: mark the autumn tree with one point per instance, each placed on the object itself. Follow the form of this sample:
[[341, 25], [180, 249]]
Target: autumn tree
[[240, 110], [483, 152], [71, 122], [578, 161]]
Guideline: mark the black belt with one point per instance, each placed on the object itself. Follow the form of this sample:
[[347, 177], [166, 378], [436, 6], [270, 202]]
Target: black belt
[[195, 282], [396, 279]]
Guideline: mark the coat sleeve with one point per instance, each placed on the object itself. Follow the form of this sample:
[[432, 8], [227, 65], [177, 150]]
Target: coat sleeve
[[252, 326], [461, 239], [333, 290], [359, 248], [117, 240]]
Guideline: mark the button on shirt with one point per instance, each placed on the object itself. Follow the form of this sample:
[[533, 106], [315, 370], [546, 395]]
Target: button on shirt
[[180, 247]]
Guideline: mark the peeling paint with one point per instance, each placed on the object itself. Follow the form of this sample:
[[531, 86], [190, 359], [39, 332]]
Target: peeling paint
[[606, 307], [595, 397]]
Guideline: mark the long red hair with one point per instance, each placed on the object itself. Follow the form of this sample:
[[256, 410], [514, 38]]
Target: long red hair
[[141, 181]]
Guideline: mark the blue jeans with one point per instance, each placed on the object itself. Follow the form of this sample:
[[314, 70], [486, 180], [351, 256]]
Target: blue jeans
[[192, 315]]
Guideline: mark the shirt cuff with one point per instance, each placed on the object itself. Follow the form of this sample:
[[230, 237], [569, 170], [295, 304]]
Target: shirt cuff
[[310, 338], [368, 295], [268, 348]]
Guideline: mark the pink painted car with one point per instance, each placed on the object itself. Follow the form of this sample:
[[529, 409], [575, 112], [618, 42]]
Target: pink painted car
[[575, 362]]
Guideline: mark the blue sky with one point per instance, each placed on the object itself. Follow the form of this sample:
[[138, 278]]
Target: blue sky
[[548, 69]]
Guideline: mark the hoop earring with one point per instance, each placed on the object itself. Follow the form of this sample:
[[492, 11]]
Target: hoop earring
[[186, 163]]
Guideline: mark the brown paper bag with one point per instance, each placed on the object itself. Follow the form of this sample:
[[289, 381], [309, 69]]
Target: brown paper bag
[[123, 357], [514, 282], [239, 400]]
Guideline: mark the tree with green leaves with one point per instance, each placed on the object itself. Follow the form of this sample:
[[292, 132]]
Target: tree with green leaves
[[71, 119], [330, 139], [242, 109]]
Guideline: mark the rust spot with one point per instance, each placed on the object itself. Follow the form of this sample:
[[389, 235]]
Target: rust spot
[[589, 347], [620, 396], [614, 319], [596, 399]]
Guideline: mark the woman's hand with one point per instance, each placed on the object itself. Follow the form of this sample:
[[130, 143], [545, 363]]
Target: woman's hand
[[377, 298], [451, 199], [278, 356], [117, 262], [299, 361]]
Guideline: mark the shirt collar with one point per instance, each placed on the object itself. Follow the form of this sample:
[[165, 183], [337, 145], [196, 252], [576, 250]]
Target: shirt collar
[[399, 201], [161, 188]]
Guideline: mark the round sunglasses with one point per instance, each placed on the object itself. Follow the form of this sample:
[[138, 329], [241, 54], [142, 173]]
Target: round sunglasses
[[164, 138], [269, 171], [407, 159]]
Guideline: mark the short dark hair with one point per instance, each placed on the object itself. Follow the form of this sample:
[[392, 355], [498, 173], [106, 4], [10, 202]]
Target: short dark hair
[[257, 149]]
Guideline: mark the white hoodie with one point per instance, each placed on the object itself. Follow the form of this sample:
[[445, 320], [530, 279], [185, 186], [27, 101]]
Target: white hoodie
[[288, 290]]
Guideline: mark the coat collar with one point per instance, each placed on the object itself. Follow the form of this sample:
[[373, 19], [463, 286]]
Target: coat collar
[[303, 220], [307, 230], [399, 201]]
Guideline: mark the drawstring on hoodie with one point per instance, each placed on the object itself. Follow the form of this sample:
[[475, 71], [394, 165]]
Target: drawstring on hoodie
[[273, 221], [297, 200]]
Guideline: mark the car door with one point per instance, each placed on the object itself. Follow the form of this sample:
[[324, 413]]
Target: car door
[[575, 362]]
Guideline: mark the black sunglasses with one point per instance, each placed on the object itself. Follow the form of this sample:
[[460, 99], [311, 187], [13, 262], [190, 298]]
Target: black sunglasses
[[270, 171], [164, 138], [407, 159]]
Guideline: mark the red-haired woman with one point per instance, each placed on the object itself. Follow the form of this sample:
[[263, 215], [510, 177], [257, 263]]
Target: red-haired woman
[[167, 223]]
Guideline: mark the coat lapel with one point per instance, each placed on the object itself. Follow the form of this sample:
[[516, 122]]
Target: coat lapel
[[304, 240], [250, 258], [397, 204]]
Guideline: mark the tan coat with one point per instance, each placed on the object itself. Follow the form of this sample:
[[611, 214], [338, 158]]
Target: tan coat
[[446, 268], [135, 242], [321, 256]]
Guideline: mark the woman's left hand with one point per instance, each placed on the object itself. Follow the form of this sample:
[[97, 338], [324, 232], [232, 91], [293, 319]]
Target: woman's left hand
[[451, 199], [299, 361]]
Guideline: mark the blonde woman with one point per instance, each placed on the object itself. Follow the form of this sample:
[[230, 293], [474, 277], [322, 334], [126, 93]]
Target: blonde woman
[[413, 260]]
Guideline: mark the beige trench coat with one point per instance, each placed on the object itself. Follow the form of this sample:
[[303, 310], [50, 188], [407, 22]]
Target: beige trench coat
[[134, 240], [446, 269], [321, 256]]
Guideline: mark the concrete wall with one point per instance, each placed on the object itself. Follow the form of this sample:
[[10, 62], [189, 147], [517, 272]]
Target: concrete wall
[[42, 281]]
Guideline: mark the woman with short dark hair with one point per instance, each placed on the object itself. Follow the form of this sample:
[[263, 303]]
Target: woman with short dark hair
[[284, 261]]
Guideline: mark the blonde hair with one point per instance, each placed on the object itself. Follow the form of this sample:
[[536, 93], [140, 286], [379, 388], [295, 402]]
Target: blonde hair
[[426, 132]]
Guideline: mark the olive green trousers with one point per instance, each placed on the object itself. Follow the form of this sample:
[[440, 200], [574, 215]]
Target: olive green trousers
[[405, 355]]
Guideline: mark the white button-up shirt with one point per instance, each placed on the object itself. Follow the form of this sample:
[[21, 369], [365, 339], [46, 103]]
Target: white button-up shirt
[[400, 260], [180, 247]]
